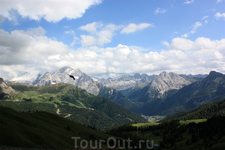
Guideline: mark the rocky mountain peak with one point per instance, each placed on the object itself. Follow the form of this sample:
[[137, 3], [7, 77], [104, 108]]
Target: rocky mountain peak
[[215, 74], [168, 75], [61, 76], [63, 69], [164, 82], [1, 80], [5, 89], [137, 75], [127, 81]]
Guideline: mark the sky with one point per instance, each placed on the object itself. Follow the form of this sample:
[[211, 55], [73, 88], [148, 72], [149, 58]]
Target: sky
[[107, 38]]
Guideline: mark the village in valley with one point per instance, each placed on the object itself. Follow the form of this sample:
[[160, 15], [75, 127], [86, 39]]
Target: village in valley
[[153, 118]]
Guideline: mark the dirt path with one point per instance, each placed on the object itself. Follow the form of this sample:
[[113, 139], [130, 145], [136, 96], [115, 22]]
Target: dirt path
[[67, 115]]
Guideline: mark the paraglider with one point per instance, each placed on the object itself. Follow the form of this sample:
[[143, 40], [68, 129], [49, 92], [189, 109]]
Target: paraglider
[[71, 76]]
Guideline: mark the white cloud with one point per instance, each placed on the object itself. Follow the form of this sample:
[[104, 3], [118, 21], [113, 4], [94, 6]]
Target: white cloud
[[21, 52], [181, 44], [88, 40], [1, 18], [203, 18], [52, 11], [219, 15], [36, 31], [75, 39], [28, 47], [188, 1], [219, 1], [165, 43], [200, 43], [159, 11], [194, 29], [185, 35], [99, 34], [70, 32], [132, 27], [91, 27], [195, 26]]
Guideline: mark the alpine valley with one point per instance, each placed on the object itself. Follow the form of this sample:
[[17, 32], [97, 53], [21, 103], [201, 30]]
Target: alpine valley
[[38, 112], [164, 94]]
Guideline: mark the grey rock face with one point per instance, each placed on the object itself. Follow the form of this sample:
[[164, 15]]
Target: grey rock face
[[165, 82], [5, 88], [61, 76], [45, 80], [127, 81]]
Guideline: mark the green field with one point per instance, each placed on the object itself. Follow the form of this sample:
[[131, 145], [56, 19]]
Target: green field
[[181, 122], [174, 134], [194, 120], [144, 124]]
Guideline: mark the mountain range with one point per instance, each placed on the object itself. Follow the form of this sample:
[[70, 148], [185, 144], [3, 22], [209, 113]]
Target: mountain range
[[140, 93], [209, 89], [179, 97], [67, 101], [127, 81]]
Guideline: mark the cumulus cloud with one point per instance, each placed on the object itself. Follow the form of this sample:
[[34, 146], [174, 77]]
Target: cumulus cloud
[[20, 51], [132, 27], [91, 27], [219, 15], [165, 43], [159, 11], [188, 1], [36, 31], [29, 47], [1, 18], [52, 11], [99, 34]]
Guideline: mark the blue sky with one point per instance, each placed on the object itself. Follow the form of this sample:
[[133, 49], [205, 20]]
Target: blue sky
[[111, 37]]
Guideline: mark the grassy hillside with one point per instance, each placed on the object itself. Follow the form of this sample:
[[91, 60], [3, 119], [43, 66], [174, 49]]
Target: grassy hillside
[[157, 123], [71, 102], [205, 111], [41, 130], [175, 134]]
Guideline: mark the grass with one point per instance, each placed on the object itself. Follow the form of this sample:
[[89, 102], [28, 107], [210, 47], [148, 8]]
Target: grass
[[181, 122], [194, 120], [85, 108], [46, 94], [144, 124], [41, 130]]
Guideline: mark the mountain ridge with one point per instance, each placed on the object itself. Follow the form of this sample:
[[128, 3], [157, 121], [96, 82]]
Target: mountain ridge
[[84, 107], [165, 82], [191, 96]]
